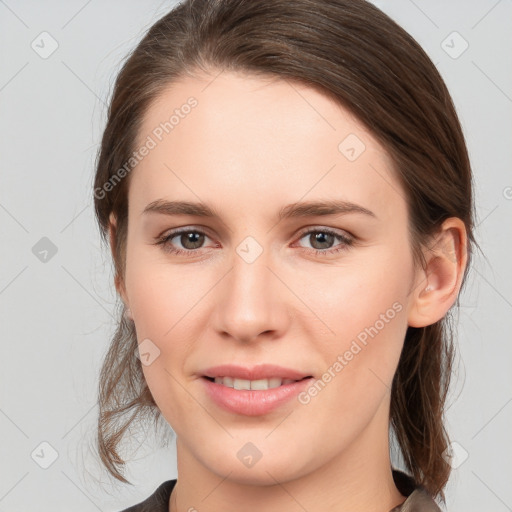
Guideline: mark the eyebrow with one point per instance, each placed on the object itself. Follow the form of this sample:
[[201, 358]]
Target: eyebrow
[[293, 210]]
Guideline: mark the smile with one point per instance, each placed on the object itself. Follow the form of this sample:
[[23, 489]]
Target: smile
[[252, 397], [260, 384]]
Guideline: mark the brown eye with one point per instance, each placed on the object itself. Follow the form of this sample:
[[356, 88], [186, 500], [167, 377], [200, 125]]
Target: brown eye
[[190, 240], [322, 241]]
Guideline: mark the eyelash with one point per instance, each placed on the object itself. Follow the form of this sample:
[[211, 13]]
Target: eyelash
[[164, 241]]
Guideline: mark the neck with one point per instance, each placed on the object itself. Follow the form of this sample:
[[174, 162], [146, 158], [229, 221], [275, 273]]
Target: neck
[[357, 479]]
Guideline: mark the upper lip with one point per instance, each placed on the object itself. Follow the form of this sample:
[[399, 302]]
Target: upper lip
[[261, 371]]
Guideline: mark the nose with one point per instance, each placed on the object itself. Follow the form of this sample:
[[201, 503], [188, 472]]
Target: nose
[[251, 301]]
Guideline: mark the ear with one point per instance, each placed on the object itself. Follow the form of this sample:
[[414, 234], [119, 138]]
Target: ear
[[438, 285], [112, 227]]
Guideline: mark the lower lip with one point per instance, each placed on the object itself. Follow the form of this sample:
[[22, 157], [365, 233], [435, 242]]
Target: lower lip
[[252, 402]]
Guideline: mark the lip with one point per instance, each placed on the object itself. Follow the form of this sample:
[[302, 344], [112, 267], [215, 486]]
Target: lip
[[261, 371], [253, 402]]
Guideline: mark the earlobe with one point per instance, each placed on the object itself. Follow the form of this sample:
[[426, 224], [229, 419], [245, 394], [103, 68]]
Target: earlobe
[[128, 313], [440, 282]]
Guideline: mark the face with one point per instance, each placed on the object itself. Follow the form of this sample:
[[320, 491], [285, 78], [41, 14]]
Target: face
[[325, 294]]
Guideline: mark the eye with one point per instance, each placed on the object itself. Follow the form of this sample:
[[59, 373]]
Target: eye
[[190, 239], [322, 239]]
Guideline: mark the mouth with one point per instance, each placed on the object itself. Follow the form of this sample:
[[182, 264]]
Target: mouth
[[252, 397], [256, 385]]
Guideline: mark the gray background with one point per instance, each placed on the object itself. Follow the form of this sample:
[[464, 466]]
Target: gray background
[[56, 314]]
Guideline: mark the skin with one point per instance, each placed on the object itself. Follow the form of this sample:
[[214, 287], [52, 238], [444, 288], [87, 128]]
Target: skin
[[250, 147]]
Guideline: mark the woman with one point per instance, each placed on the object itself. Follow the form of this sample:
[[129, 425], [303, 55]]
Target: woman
[[287, 195]]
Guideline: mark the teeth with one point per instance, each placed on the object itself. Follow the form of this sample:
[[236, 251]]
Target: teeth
[[261, 384]]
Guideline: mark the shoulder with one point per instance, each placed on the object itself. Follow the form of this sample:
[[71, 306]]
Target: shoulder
[[157, 502], [418, 499]]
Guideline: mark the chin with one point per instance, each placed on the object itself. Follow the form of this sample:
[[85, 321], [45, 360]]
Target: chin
[[268, 470]]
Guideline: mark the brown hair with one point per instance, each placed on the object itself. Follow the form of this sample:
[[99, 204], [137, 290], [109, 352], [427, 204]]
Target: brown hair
[[358, 56]]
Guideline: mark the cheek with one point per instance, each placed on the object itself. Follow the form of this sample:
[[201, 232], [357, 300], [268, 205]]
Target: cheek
[[164, 313], [359, 368], [162, 295], [365, 308], [364, 290]]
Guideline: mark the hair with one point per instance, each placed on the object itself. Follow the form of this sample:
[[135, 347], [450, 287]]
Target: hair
[[358, 56]]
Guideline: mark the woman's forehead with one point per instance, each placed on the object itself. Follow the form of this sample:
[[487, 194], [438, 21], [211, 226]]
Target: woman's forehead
[[252, 136], [232, 103]]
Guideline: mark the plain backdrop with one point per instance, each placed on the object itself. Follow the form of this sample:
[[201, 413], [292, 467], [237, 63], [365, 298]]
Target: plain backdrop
[[56, 283]]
